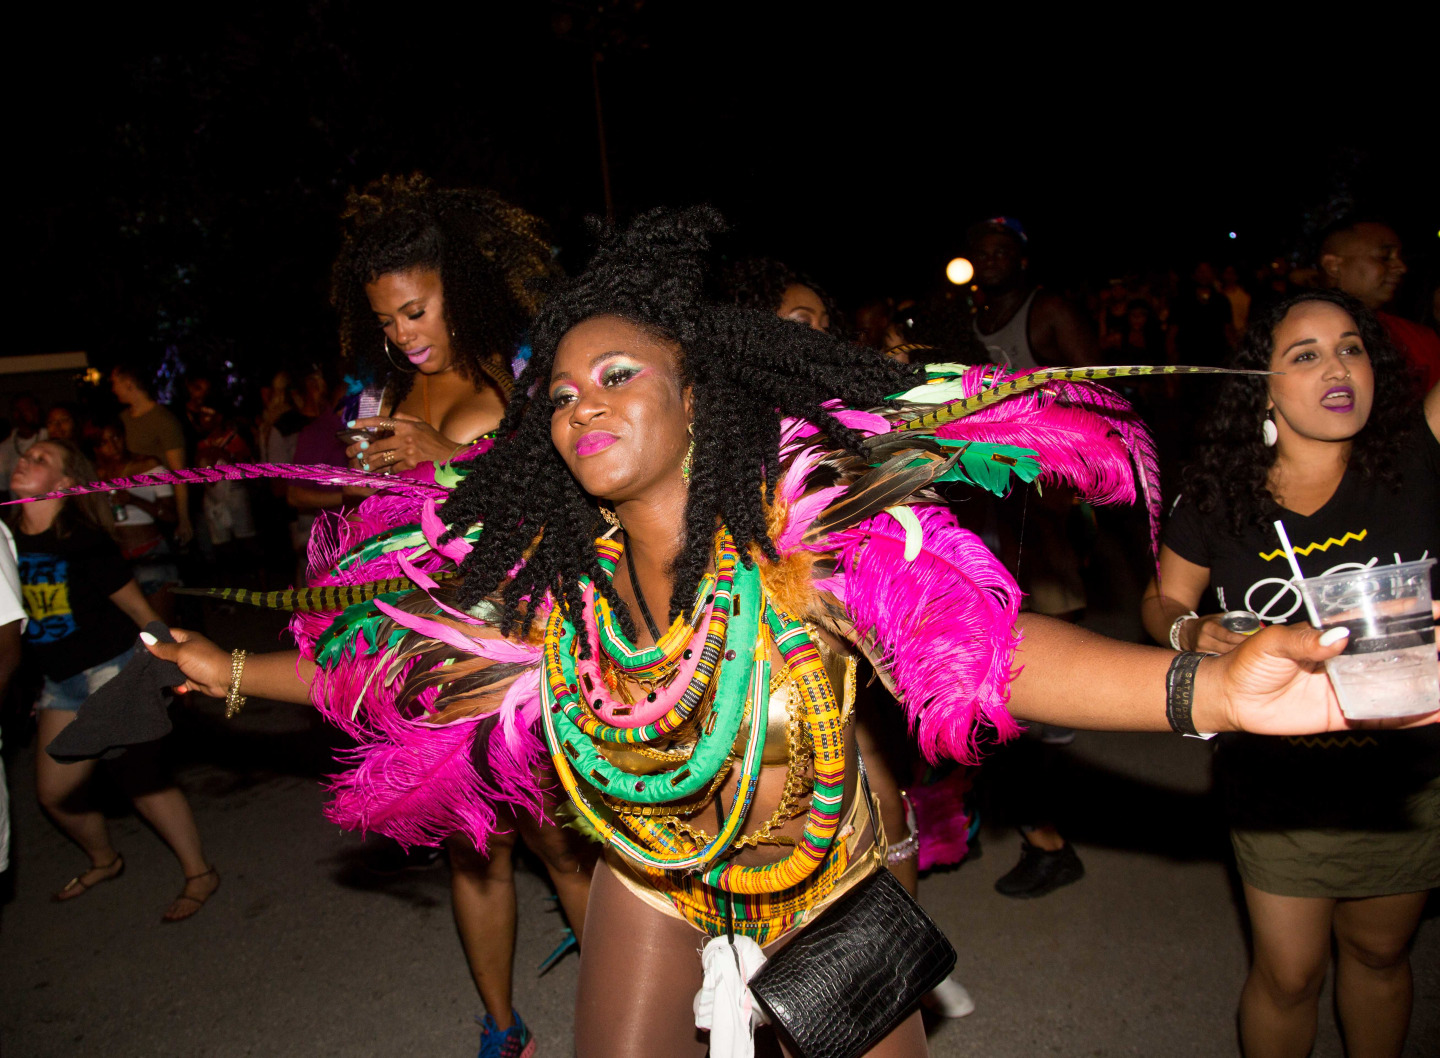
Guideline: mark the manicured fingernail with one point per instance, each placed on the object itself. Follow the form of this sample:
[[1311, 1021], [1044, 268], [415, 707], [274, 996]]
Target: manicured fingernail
[[364, 465], [148, 639], [350, 425], [1334, 635], [364, 445]]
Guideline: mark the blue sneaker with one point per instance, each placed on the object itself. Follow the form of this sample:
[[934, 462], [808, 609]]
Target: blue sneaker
[[514, 1042]]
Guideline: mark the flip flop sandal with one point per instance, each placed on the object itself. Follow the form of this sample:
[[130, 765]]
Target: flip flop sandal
[[78, 887], [198, 901]]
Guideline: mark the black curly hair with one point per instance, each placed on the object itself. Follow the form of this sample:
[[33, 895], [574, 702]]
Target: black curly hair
[[1232, 466], [760, 283], [747, 369], [492, 258]]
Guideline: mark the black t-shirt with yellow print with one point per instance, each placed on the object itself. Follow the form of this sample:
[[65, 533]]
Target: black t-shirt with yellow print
[[67, 583], [1349, 779]]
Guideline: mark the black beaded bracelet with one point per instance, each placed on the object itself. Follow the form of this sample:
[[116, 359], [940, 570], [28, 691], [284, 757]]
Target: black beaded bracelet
[[1180, 691]]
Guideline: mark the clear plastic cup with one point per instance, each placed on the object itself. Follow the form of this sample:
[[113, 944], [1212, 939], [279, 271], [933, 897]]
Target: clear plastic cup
[[1388, 667]]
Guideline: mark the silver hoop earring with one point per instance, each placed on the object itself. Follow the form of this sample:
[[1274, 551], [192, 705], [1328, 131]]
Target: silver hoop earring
[[407, 366], [1269, 432]]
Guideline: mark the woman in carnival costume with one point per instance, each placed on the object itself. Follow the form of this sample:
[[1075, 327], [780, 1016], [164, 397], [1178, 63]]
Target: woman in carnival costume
[[760, 488]]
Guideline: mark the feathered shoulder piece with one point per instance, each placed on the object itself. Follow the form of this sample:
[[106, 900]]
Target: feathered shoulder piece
[[927, 601], [442, 709]]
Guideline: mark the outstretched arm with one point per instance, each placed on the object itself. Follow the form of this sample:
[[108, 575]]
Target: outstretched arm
[[281, 675], [1273, 684]]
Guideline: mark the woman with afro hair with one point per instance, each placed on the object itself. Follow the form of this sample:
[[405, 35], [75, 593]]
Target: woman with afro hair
[[694, 517], [1332, 442], [448, 280]]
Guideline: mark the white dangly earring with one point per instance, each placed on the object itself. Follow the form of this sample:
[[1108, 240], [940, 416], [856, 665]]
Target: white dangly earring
[[1269, 432]]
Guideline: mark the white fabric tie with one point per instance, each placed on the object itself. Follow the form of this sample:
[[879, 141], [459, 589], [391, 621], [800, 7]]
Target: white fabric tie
[[724, 1006]]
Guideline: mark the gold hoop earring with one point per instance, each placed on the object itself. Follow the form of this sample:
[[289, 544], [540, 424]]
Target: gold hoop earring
[[406, 367], [688, 465]]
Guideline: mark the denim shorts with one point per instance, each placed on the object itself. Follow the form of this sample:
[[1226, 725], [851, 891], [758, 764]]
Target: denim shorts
[[69, 693]]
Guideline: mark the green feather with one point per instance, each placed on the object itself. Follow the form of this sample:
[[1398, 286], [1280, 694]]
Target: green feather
[[382, 544], [989, 465], [362, 617]]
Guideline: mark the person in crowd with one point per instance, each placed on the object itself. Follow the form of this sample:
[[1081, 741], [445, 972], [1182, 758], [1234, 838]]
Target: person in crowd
[[275, 442], [140, 514], [154, 431], [318, 444], [229, 519], [1202, 328], [1137, 337], [648, 401], [65, 423], [1239, 299], [1021, 324], [1363, 258], [1024, 327], [27, 427], [1333, 444], [768, 285], [444, 280], [84, 607], [12, 623]]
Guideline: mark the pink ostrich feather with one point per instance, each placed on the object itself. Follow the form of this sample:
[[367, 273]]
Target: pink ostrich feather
[[1085, 435], [942, 625], [418, 790], [337, 477]]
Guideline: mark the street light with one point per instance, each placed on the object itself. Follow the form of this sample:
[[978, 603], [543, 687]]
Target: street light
[[959, 271]]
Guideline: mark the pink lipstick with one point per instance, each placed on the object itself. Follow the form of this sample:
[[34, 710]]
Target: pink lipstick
[[594, 441], [1338, 399], [419, 356]]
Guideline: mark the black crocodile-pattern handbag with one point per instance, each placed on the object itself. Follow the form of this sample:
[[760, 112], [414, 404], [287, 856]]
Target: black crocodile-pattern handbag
[[854, 973]]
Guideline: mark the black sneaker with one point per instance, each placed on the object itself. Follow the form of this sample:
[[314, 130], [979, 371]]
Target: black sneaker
[[1040, 872]]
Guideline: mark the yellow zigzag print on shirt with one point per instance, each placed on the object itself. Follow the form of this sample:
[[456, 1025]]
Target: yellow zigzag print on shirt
[[1357, 537]]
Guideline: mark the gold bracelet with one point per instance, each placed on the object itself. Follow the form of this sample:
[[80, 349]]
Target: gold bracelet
[[234, 700]]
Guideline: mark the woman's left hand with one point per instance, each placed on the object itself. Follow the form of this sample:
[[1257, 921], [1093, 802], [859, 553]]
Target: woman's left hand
[[1275, 684], [411, 443]]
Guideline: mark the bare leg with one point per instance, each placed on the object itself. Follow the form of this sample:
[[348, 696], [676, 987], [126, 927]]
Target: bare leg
[[482, 895], [162, 804], [1279, 1002], [638, 978], [639, 974], [1045, 837], [570, 861], [56, 786], [1373, 987], [907, 1040]]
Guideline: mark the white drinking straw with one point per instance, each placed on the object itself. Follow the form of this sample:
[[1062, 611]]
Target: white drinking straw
[[1295, 569]]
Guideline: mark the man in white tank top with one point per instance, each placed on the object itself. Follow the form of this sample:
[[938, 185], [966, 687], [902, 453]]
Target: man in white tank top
[[1023, 327], [1019, 324]]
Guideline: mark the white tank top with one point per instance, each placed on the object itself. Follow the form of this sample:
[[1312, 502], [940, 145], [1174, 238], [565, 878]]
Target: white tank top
[[1010, 345]]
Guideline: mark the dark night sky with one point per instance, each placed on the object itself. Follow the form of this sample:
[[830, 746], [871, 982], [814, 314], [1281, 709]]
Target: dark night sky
[[181, 177]]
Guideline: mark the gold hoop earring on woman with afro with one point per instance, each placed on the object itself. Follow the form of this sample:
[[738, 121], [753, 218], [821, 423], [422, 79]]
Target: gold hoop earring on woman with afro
[[406, 367], [686, 466]]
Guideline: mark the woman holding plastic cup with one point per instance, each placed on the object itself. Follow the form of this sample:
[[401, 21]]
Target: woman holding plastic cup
[[1338, 834]]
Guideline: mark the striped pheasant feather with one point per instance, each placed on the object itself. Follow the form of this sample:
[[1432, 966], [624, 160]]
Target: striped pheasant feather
[[337, 477], [962, 406], [310, 600]]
